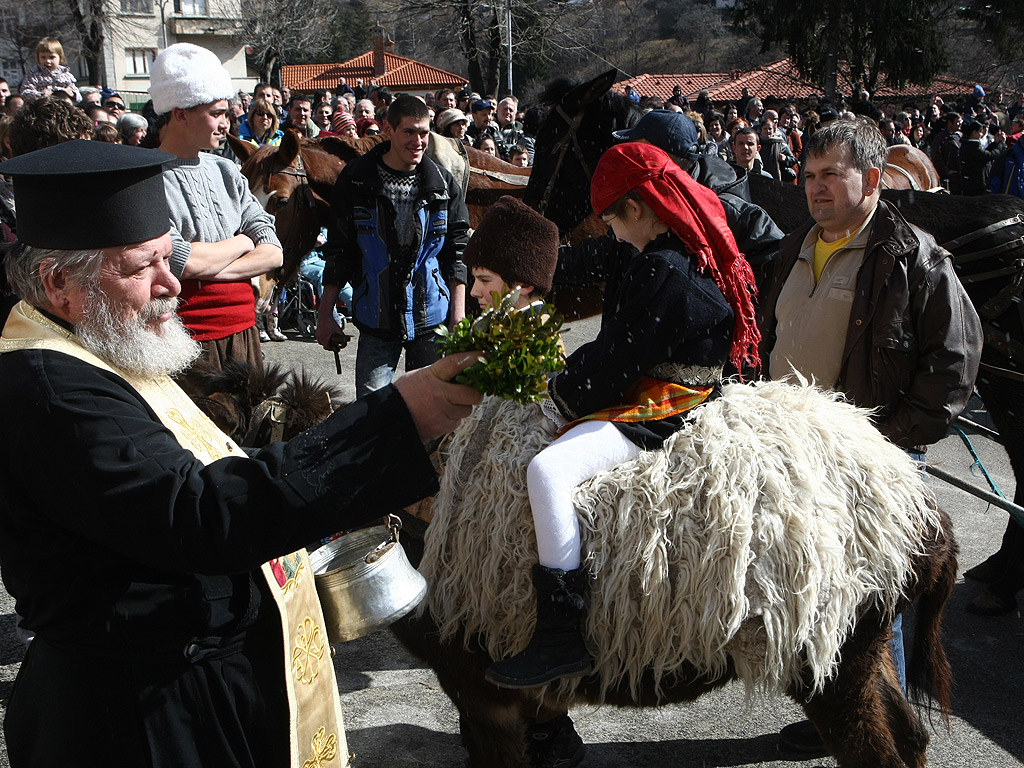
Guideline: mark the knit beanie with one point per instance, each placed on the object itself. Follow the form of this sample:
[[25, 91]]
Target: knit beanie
[[185, 76], [341, 120], [515, 242]]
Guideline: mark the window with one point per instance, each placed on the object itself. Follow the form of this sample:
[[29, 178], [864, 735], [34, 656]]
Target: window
[[137, 6], [8, 22], [10, 70], [137, 61], [190, 7]]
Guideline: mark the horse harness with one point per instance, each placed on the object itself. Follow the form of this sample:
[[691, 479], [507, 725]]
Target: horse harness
[[1001, 302], [304, 197], [509, 178], [561, 147]]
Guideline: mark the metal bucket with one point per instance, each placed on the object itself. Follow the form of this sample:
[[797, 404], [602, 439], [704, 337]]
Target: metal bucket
[[365, 581]]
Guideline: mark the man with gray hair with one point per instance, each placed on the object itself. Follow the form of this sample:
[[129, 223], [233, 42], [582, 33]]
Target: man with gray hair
[[160, 566], [510, 132], [364, 109], [867, 304], [132, 129], [90, 95]]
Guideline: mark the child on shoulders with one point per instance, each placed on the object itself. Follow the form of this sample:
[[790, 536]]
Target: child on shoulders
[[49, 75]]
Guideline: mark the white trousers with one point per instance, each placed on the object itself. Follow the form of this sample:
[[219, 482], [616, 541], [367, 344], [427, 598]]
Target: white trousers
[[578, 455]]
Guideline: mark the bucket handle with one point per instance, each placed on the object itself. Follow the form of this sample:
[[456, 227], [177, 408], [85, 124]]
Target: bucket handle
[[394, 525]]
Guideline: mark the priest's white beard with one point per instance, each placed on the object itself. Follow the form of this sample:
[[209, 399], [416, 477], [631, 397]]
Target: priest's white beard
[[130, 344]]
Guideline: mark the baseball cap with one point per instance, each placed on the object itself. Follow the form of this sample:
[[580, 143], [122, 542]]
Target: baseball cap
[[671, 131]]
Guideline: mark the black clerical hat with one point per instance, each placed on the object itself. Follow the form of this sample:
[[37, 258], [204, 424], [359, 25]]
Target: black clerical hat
[[89, 194]]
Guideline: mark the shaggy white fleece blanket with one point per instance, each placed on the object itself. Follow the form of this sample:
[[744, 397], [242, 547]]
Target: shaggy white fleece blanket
[[760, 531]]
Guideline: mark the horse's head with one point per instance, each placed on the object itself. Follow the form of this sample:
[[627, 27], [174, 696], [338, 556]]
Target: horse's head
[[571, 140], [293, 182], [275, 172]]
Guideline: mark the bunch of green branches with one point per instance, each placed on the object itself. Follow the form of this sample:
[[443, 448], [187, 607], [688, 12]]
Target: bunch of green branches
[[521, 348]]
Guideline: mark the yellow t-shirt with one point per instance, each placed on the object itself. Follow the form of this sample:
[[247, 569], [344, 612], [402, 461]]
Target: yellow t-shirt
[[823, 252]]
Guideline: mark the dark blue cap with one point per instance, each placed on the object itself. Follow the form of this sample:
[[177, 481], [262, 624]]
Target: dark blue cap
[[666, 129]]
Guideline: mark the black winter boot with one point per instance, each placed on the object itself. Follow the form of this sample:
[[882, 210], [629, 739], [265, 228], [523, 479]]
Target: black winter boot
[[555, 744], [557, 648]]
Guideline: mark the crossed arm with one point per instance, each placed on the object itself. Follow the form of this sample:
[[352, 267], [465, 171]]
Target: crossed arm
[[236, 258]]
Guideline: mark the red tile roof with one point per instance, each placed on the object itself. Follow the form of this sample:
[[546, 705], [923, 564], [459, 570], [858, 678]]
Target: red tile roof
[[661, 86], [400, 73], [779, 79]]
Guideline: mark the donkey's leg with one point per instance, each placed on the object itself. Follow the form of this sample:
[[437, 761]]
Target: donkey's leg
[[862, 715], [492, 721]]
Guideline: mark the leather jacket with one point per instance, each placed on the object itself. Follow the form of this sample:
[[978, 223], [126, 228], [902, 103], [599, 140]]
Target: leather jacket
[[914, 341], [756, 234]]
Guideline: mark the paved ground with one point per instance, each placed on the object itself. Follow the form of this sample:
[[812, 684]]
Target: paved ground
[[397, 716]]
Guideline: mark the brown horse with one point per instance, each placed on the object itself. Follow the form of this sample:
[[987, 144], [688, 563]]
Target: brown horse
[[865, 719], [293, 181], [908, 167]]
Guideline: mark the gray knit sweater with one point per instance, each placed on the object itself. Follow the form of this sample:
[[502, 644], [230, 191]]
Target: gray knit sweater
[[210, 201]]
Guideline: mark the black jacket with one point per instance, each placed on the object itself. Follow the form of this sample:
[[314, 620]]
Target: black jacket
[[658, 308], [391, 298], [156, 644], [976, 165]]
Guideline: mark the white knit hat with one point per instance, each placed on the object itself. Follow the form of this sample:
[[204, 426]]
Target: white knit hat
[[186, 76]]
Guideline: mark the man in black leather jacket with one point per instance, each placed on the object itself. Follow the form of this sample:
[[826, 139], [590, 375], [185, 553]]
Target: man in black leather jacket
[[869, 305]]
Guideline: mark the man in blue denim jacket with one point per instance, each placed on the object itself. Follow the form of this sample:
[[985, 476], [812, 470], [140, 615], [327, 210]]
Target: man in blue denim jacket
[[397, 230]]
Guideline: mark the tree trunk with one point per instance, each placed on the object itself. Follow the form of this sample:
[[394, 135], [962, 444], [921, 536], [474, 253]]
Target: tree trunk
[[267, 70], [494, 56], [90, 23], [470, 48], [832, 55]]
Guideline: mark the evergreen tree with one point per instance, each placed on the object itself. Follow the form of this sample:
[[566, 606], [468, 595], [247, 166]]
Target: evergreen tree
[[897, 38]]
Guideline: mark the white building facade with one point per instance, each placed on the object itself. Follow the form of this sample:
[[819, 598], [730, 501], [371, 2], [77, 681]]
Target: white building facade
[[136, 31]]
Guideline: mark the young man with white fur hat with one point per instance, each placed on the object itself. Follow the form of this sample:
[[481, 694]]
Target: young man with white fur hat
[[221, 234]]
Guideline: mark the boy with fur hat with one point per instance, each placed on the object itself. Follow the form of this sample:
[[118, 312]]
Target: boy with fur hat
[[222, 237], [500, 262]]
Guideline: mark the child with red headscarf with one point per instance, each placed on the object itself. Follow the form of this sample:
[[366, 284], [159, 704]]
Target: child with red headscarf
[[674, 313]]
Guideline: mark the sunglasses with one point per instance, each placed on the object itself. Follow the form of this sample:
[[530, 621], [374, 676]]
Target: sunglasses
[[114, 105]]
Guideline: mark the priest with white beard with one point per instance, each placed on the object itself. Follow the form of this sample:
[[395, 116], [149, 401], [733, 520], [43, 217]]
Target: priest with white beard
[[159, 565]]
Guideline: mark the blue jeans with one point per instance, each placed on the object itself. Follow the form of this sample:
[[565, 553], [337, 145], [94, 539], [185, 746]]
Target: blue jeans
[[312, 268], [377, 359], [896, 651], [899, 659]]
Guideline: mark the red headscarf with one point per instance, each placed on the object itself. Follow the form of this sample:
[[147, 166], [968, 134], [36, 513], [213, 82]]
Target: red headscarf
[[694, 213]]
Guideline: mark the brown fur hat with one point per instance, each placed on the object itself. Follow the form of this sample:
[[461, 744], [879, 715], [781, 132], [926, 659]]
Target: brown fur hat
[[516, 242]]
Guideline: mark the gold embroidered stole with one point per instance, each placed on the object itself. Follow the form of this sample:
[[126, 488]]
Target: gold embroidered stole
[[316, 729]]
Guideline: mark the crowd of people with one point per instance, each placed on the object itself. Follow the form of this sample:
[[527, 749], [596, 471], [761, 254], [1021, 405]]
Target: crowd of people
[[972, 141], [153, 268]]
